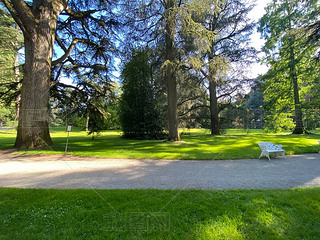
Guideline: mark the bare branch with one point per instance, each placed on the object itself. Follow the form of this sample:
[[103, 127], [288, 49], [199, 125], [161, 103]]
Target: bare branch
[[228, 93], [191, 109], [66, 51], [82, 14], [189, 99]]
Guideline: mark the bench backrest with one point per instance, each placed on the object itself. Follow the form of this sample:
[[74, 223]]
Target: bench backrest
[[269, 146]]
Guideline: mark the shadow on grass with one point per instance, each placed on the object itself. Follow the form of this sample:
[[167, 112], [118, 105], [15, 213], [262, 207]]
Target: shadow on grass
[[196, 145]]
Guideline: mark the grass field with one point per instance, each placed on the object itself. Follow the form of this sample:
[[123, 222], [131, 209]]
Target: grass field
[[159, 214], [195, 144]]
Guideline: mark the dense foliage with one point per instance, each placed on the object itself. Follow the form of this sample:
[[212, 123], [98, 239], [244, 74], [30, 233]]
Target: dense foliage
[[10, 42], [294, 71], [140, 115]]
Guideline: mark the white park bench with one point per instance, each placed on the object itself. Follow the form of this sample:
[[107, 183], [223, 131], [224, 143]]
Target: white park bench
[[269, 147]]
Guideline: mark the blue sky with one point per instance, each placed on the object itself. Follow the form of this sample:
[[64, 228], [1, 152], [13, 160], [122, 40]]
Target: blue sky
[[255, 69], [257, 42]]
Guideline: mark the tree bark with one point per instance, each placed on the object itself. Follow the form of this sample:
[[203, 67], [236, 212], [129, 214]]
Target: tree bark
[[214, 110], [299, 127], [87, 122], [39, 27], [169, 76]]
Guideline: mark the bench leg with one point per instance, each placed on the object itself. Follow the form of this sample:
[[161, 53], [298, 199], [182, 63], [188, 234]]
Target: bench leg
[[269, 157], [266, 154]]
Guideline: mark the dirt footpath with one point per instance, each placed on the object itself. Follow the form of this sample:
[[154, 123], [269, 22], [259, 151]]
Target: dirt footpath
[[66, 171]]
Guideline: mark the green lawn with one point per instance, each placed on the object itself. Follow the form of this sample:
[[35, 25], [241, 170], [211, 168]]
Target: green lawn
[[195, 144], [159, 214]]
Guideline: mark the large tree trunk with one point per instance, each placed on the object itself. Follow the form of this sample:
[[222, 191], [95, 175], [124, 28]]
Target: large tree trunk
[[169, 76], [39, 36]]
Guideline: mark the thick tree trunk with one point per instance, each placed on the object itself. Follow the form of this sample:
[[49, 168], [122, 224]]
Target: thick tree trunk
[[33, 127], [170, 78]]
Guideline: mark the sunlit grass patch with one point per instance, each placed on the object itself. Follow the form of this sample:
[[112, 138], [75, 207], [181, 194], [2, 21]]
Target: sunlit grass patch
[[195, 144], [159, 214], [223, 227]]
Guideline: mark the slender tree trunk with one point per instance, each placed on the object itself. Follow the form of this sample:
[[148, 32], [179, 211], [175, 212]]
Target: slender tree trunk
[[299, 127], [33, 127], [17, 79], [87, 122], [214, 109], [169, 76]]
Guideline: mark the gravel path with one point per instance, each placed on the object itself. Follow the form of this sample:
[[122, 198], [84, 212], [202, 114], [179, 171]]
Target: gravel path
[[65, 171]]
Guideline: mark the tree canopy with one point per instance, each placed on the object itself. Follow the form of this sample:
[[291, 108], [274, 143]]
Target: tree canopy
[[78, 34], [10, 43], [293, 66]]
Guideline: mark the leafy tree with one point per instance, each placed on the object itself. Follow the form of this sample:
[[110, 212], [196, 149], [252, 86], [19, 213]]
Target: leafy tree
[[165, 25], [112, 105], [81, 31], [292, 66], [87, 100], [229, 52], [192, 95], [140, 116], [10, 42]]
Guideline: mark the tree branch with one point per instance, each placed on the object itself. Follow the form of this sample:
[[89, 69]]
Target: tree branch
[[26, 20], [13, 14], [190, 109], [82, 14], [189, 99], [67, 52], [228, 93]]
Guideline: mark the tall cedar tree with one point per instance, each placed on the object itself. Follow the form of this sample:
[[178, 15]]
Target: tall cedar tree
[[84, 25], [231, 46], [161, 24]]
